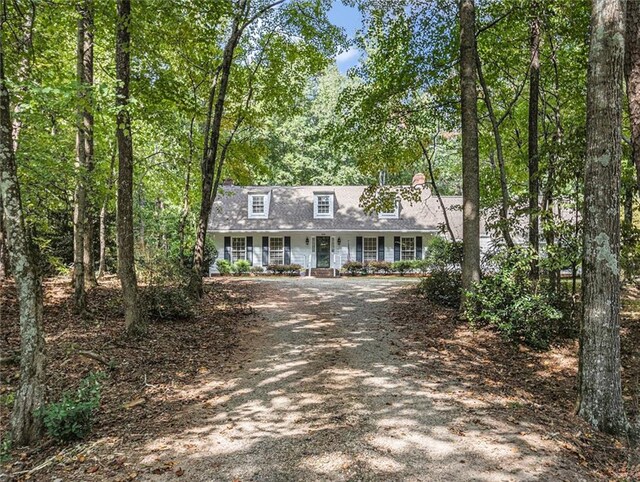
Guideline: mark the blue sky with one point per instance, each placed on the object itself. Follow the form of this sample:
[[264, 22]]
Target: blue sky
[[350, 20]]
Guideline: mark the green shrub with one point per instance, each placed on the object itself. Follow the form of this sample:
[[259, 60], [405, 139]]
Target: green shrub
[[242, 266], [285, 269], [508, 301], [224, 266], [354, 268], [72, 417], [167, 303], [257, 270], [378, 267], [443, 287], [403, 267], [443, 253]]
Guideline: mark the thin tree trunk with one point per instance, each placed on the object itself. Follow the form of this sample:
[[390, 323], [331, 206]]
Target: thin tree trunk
[[632, 74], [24, 68], [102, 269], [600, 387], [80, 196], [184, 214], [470, 157], [210, 152], [4, 254], [504, 189], [126, 261], [534, 185], [425, 153], [26, 422], [87, 125]]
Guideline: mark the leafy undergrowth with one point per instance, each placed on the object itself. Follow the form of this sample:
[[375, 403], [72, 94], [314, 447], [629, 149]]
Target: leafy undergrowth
[[535, 390], [147, 379]]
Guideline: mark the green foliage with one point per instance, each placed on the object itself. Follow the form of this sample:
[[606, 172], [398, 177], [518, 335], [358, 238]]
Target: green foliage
[[378, 267], [242, 266], [507, 300], [285, 269], [167, 303], [72, 417], [442, 253], [224, 267], [354, 268], [5, 447], [404, 266], [630, 252], [257, 270], [443, 287]]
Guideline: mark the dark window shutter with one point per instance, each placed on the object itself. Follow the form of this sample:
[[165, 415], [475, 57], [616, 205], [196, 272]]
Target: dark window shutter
[[287, 250], [380, 248], [396, 248], [418, 247], [265, 250], [359, 249], [227, 248], [250, 249]]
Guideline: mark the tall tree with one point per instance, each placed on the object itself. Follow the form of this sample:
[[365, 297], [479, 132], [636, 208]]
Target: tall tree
[[84, 148], [213, 152], [632, 74], [26, 422], [470, 159], [600, 387], [86, 87], [126, 261], [533, 154]]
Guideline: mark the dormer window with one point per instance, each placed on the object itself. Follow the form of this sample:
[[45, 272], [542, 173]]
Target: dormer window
[[258, 206], [390, 214], [323, 206]]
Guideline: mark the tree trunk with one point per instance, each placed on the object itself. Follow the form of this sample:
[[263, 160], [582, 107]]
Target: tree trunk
[[210, 166], [103, 220], [4, 255], [632, 74], [87, 125], [80, 196], [470, 158], [184, 214], [600, 387], [436, 191], [126, 261], [534, 185], [504, 188], [26, 423]]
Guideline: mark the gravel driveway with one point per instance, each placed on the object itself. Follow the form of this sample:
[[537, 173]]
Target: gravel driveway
[[326, 393]]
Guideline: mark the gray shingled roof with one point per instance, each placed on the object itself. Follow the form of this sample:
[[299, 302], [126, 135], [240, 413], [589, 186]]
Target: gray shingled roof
[[291, 209]]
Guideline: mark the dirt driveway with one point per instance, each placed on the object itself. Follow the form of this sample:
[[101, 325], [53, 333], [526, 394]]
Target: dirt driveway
[[327, 394]]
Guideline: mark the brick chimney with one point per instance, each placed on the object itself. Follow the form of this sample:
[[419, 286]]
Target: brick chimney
[[418, 180]]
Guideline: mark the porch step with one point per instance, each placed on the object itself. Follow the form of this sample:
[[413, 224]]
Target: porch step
[[322, 272]]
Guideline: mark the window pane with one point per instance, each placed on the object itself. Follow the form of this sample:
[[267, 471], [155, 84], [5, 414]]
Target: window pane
[[407, 248], [370, 249], [238, 249], [257, 204], [324, 205], [276, 250]]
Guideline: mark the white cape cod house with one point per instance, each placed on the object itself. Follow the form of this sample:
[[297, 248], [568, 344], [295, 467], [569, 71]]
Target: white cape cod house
[[322, 227]]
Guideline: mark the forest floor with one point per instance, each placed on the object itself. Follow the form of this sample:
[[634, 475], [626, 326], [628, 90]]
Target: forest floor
[[303, 379]]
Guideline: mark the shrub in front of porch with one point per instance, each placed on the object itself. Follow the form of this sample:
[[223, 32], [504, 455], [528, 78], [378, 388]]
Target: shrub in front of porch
[[224, 267], [285, 269], [242, 266], [403, 267], [354, 268], [378, 267]]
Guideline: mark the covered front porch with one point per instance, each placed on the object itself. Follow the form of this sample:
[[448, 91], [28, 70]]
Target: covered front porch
[[315, 250]]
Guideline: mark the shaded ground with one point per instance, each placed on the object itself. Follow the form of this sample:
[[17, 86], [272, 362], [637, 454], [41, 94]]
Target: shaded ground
[[349, 379]]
